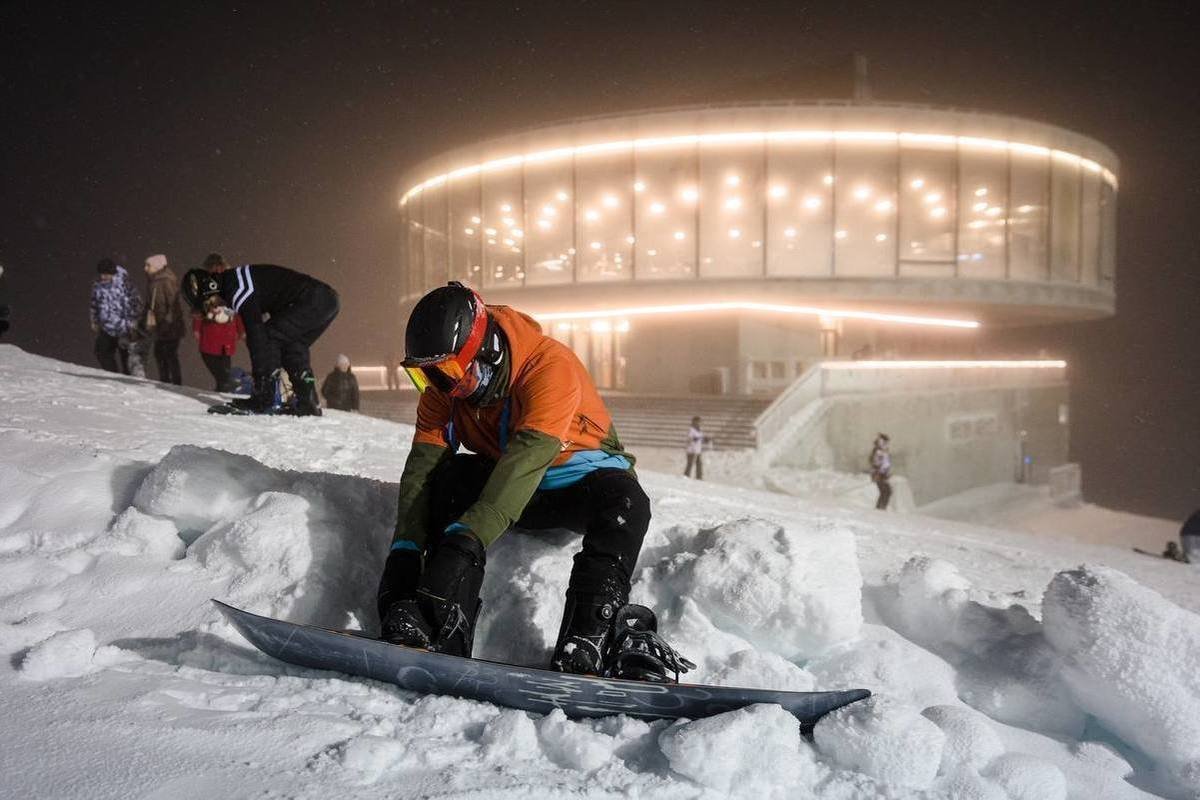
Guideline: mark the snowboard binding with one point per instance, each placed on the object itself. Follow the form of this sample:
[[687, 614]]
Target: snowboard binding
[[638, 653]]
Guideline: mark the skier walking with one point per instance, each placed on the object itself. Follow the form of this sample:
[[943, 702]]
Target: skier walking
[[881, 469], [545, 455], [695, 450], [300, 308]]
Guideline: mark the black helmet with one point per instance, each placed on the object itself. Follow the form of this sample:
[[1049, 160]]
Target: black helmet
[[451, 342], [197, 285]]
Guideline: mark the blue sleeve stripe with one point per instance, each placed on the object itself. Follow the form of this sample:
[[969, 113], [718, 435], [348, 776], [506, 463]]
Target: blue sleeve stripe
[[404, 544], [457, 527]]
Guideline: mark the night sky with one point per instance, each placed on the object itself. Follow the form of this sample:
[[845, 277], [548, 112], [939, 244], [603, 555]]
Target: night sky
[[279, 133]]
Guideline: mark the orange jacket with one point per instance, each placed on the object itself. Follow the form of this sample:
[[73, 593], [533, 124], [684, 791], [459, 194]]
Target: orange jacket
[[551, 392]]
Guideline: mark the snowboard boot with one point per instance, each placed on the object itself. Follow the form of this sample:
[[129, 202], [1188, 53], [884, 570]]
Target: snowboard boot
[[441, 614], [305, 387], [586, 631], [263, 400], [400, 620], [638, 653]]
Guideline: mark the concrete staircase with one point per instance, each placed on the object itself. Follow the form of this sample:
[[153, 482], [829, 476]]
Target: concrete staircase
[[647, 420]]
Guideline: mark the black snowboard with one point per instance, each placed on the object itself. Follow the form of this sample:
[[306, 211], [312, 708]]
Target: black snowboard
[[524, 688]]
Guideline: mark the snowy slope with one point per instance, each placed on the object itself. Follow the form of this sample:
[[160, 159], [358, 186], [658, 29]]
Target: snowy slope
[[1002, 668]]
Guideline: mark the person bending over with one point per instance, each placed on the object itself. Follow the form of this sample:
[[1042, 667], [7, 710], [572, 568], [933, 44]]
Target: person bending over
[[300, 308]]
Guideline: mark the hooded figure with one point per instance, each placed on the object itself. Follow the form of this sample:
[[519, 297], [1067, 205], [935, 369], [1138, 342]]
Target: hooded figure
[[340, 387], [115, 310], [881, 469]]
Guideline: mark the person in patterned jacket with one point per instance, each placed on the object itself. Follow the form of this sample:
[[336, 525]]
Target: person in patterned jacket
[[115, 309]]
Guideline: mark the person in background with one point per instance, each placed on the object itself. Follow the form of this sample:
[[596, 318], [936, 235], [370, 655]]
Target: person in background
[[115, 309], [217, 332], [340, 387], [392, 370], [164, 319], [881, 469], [1189, 539], [299, 308], [695, 449]]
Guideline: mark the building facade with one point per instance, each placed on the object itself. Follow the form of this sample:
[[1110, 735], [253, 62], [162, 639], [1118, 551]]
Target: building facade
[[727, 249]]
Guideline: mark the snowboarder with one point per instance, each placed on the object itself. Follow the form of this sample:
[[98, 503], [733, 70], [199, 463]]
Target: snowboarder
[[340, 387], [695, 450], [115, 309], [300, 307], [881, 469], [544, 455]]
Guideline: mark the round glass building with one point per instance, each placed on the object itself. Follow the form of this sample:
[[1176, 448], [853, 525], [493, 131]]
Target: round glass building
[[725, 248]]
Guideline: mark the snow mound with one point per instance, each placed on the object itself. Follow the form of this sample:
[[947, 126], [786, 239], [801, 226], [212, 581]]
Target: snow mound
[[971, 741], [757, 751], [885, 739], [1005, 668], [66, 654], [782, 590], [1026, 777], [1131, 660], [287, 544]]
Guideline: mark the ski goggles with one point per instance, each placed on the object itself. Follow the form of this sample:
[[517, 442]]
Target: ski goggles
[[448, 376]]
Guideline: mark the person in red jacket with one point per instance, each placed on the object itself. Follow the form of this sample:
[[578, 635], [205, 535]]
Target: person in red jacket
[[218, 332]]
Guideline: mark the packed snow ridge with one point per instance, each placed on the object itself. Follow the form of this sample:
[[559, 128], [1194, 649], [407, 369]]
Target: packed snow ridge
[[115, 529]]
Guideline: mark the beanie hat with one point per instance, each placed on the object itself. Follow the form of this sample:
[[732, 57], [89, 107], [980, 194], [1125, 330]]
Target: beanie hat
[[105, 266], [214, 260], [156, 262]]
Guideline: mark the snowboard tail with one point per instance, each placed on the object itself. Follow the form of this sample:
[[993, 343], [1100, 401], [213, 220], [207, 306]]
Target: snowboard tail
[[523, 688]]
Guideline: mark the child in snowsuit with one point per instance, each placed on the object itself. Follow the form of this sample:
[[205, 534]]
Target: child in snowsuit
[[300, 308], [545, 455]]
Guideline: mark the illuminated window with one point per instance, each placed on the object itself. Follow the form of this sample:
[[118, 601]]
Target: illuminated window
[[982, 213], [1064, 221], [666, 222], [927, 215], [732, 187], [550, 224], [869, 169], [800, 223], [434, 229], [1027, 217], [503, 264], [604, 216], [1089, 245]]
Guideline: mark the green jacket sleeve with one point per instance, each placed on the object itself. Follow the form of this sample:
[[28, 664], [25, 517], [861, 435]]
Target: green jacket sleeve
[[512, 482], [412, 511]]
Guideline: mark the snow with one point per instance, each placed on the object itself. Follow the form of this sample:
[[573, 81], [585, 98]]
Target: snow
[[1005, 664]]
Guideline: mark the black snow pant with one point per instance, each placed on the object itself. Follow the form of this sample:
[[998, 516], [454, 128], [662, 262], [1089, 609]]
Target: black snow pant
[[607, 506], [166, 355], [293, 330], [107, 350], [218, 367], [885, 492], [694, 458]]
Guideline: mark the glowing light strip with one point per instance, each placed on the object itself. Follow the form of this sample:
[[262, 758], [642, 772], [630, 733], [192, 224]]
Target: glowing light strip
[[756, 137], [1039, 364], [641, 311]]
